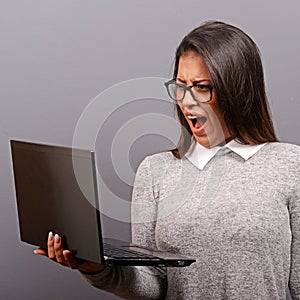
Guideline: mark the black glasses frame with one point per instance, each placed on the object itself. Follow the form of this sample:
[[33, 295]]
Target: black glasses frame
[[188, 88]]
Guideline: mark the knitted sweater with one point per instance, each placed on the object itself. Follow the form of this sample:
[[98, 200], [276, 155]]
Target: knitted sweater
[[239, 219]]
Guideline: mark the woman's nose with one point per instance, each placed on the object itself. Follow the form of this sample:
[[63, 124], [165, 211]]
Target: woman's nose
[[188, 100]]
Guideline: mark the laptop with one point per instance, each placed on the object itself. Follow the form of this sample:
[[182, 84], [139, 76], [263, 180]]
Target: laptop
[[56, 190]]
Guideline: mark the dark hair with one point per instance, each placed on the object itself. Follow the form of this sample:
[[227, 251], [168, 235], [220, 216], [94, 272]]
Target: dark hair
[[234, 63]]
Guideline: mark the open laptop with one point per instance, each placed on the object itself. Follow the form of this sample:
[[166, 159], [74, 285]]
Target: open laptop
[[51, 196]]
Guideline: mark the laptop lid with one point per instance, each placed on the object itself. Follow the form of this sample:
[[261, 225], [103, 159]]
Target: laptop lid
[[51, 196]]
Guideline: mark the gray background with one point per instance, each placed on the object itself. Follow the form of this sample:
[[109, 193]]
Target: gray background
[[56, 56]]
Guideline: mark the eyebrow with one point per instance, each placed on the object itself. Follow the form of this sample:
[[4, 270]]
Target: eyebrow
[[194, 81]]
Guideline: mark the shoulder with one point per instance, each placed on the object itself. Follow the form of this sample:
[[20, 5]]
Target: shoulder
[[160, 163], [283, 157], [283, 151], [158, 158], [284, 146]]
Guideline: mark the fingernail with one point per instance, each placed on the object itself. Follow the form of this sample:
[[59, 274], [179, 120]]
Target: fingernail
[[56, 238], [35, 251], [50, 236]]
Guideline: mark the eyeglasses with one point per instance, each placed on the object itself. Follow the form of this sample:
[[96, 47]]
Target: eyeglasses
[[200, 92]]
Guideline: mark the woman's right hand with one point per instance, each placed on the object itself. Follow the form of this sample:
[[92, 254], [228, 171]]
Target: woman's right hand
[[65, 257]]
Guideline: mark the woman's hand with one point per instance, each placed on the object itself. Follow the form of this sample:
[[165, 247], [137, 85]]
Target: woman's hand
[[65, 257]]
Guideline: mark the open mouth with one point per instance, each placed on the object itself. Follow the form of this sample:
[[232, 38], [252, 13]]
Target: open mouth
[[198, 122]]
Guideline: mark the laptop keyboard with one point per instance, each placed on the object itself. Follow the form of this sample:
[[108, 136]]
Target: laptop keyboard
[[120, 253]]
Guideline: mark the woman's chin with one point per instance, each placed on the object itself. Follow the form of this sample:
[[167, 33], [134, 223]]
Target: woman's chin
[[207, 142]]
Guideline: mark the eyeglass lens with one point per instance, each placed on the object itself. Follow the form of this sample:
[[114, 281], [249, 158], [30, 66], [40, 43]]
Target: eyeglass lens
[[201, 92]]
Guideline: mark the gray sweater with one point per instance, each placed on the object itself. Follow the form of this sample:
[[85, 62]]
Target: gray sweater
[[239, 219]]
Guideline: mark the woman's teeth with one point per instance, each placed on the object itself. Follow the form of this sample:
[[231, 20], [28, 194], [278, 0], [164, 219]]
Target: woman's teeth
[[193, 119], [197, 121]]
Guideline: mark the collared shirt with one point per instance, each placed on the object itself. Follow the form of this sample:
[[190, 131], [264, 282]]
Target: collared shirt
[[199, 156]]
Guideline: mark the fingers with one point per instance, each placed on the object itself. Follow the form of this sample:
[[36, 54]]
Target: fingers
[[57, 253], [40, 251], [58, 250], [50, 244], [66, 257], [55, 249], [70, 260]]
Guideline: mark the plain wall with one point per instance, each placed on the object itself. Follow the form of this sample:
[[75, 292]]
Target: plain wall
[[57, 56]]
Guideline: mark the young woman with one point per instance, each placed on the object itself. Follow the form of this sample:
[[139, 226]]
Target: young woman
[[228, 196]]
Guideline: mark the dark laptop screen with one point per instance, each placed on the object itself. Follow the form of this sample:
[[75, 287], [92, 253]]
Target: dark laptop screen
[[52, 197]]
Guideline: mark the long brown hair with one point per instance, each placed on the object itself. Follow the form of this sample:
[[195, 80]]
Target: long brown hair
[[234, 63]]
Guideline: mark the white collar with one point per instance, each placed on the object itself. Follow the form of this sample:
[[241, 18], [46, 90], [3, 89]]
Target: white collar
[[200, 156]]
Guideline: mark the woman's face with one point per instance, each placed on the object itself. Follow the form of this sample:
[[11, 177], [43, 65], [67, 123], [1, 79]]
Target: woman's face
[[205, 119]]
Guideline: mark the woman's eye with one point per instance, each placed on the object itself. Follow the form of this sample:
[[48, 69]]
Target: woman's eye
[[201, 88]]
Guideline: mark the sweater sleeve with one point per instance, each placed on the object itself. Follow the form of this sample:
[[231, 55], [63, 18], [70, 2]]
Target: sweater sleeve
[[137, 282], [294, 208]]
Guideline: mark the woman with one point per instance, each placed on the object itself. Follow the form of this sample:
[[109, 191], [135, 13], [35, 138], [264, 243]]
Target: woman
[[228, 195]]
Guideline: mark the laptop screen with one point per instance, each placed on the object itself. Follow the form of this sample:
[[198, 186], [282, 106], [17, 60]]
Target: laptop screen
[[51, 196]]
